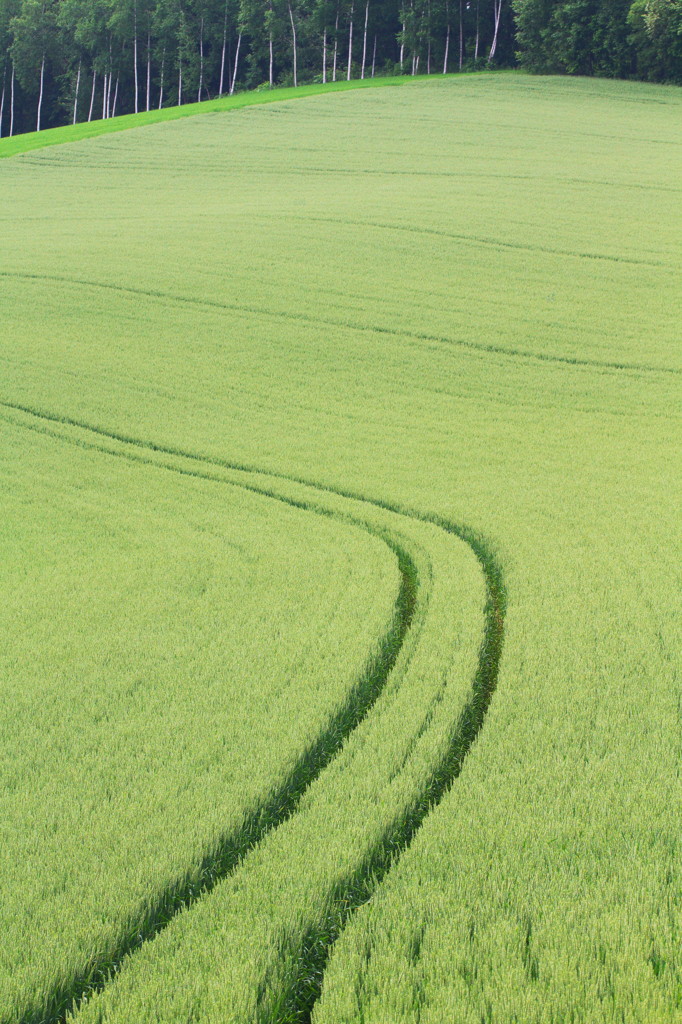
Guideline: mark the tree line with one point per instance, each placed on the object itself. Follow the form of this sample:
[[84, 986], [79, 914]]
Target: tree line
[[73, 60]]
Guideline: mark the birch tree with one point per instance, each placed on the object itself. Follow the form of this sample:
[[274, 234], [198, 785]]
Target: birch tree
[[294, 40], [8, 11], [84, 23], [323, 19], [267, 26], [207, 18], [447, 37], [336, 43], [497, 11], [364, 41], [34, 32], [2, 97], [223, 50]]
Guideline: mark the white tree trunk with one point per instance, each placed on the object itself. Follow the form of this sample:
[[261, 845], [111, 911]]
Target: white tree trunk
[[92, 94], [447, 49], [2, 100], [40, 95], [324, 57], [75, 101], [137, 106], [110, 80], [201, 61], [179, 81], [374, 56], [222, 56], [11, 108], [236, 64], [113, 106], [163, 68], [364, 41], [461, 36], [271, 46], [336, 43], [497, 9], [149, 70], [350, 41], [293, 39], [402, 47]]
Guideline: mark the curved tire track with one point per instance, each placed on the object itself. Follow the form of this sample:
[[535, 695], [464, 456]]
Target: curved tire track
[[296, 1003]]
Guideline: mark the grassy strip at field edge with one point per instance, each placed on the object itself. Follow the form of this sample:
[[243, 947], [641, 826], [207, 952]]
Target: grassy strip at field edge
[[31, 141], [296, 1002]]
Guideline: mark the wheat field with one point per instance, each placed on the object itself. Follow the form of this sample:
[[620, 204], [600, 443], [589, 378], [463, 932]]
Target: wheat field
[[340, 549]]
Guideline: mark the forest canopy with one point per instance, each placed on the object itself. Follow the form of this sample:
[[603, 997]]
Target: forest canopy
[[77, 60]]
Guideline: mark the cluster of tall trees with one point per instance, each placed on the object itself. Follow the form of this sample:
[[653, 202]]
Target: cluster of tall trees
[[74, 60], [613, 38]]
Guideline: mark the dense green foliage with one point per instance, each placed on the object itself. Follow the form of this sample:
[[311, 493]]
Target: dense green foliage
[[612, 38], [451, 309]]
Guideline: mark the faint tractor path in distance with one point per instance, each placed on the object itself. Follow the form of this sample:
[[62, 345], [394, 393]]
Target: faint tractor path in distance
[[396, 332]]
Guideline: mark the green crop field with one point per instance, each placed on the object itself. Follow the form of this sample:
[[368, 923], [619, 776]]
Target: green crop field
[[340, 561]]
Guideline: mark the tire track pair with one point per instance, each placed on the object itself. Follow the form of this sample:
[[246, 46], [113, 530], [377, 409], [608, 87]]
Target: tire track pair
[[301, 992]]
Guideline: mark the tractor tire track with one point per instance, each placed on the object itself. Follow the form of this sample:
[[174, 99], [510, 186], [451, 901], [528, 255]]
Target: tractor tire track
[[317, 321], [283, 802], [486, 241], [297, 1002]]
